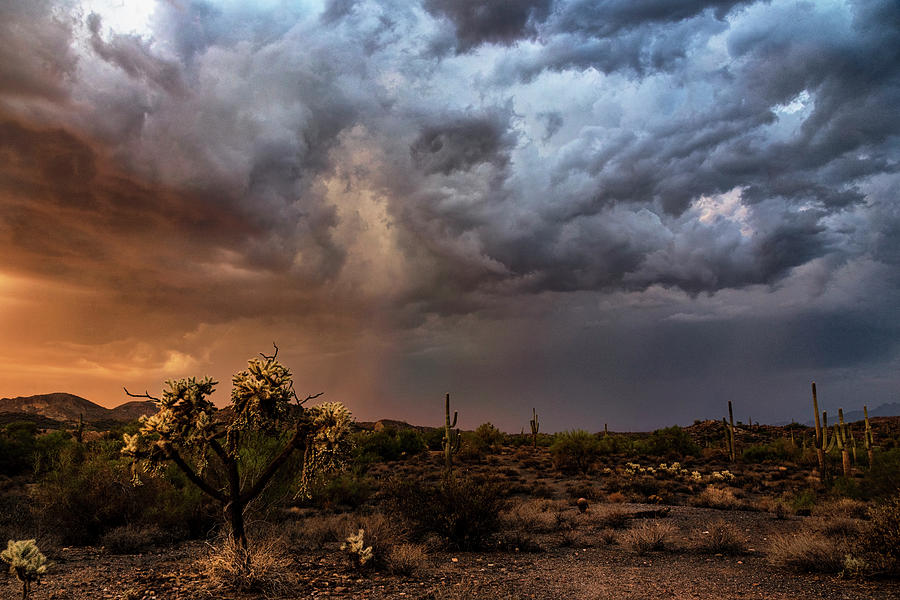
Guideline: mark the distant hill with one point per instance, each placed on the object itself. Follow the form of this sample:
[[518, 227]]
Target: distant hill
[[61, 406], [888, 409]]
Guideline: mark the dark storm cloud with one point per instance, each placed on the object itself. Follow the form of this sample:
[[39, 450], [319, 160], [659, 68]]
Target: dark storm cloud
[[35, 56], [674, 174], [132, 54], [605, 18], [463, 142], [476, 22]]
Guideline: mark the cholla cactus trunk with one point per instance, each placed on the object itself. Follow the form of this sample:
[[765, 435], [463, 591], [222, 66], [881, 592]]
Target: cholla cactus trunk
[[820, 445]]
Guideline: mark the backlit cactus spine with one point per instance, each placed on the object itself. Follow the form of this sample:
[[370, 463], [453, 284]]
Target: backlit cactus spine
[[451, 438]]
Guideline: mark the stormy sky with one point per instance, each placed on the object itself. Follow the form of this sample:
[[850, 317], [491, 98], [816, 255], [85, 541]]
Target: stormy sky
[[616, 211]]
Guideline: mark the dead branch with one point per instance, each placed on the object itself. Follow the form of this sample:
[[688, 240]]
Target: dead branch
[[144, 395]]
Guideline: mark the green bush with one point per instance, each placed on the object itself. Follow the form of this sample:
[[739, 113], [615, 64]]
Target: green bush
[[90, 493], [668, 442], [780, 450], [574, 451], [883, 539], [489, 436], [346, 490], [388, 445], [883, 477], [463, 511]]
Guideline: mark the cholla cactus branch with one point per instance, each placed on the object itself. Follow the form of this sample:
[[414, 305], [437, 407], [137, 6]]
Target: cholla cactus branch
[[188, 427], [26, 562]]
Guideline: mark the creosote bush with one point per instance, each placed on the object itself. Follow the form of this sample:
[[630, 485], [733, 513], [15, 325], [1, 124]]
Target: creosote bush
[[716, 497], [882, 538], [574, 451], [262, 567], [462, 510], [648, 536], [807, 551], [722, 538]]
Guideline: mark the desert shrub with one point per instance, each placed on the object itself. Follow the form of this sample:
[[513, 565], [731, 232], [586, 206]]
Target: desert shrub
[[381, 533], [807, 551], [882, 539], [471, 448], [407, 560], [314, 532], [260, 567], [616, 498], [668, 442], [722, 538], [434, 438], [129, 539], [614, 518], [23, 450], [91, 492], [541, 490], [346, 490], [84, 499], [882, 479], [389, 444], [804, 502], [583, 489], [780, 450], [648, 536], [574, 451], [462, 510], [489, 436], [716, 497]]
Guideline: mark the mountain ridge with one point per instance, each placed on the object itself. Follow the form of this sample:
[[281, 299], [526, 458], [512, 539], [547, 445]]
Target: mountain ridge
[[63, 406]]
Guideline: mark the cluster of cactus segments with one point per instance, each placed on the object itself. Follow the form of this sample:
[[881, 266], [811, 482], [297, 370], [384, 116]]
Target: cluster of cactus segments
[[842, 439], [356, 549], [451, 438], [26, 562]]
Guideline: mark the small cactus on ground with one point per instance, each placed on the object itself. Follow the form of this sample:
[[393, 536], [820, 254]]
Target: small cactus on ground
[[582, 504], [356, 550], [26, 562]]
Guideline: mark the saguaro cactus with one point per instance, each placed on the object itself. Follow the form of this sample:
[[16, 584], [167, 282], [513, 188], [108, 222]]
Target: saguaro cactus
[[843, 443], [451, 438], [535, 426], [820, 438], [729, 432], [870, 440]]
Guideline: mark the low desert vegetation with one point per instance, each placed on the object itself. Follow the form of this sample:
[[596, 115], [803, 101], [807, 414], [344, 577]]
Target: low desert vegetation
[[274, 480]]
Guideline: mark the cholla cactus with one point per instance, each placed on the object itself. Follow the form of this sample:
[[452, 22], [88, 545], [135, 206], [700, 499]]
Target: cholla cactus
[[356, 549], [25, 561], [189, 430]]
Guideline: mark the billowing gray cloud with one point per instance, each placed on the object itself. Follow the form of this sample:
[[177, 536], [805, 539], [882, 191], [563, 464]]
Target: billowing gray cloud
[[674, 175]]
